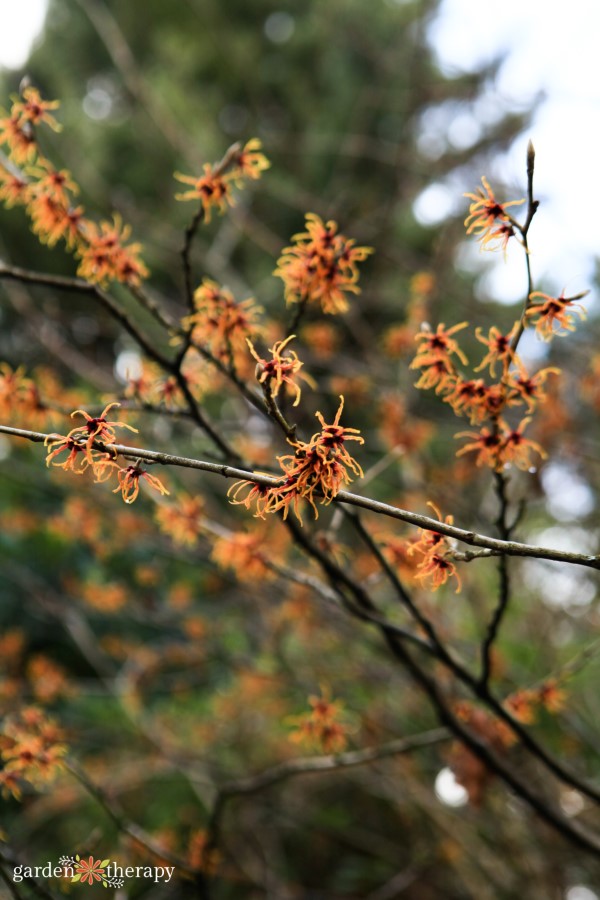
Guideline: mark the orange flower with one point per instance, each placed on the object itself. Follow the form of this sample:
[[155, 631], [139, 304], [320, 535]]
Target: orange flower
[[436, 570], [521, 704], [73, 462], [220, 322], [429, 539], [484, 211], [435, 566], [32, 751], [248, 163], [317, 469], [486, 443], [19, 139], [104, 255], [35, 110], [13, 189], [438, 374], [517, 449], [11, 784], [107, 597], [244, 554], [145, 386], [48, 679], [530, 389], [322, 338], [280, 370], [182, 521], [468, 397], [551, 696], [129, 483], [554, 314], [320, 728], [96, 428], [212, 189], [398, 551], [257, 493], [438, 346], [498, 238], [321, 266], [52, 220], [500, 349], [15, 389], [52, 182], [502, 445], [330, 443]]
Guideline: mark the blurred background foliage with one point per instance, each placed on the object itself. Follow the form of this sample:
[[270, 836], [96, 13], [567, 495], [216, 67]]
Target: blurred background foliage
[[171, 673]]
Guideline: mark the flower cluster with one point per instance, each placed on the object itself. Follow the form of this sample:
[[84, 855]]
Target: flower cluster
[[525, 703], [182, 521], [316, 471], [81, 440], [17, 128], [434, 357], [321, 266], [150, 386], [502, 445], [48, 196], [497, 444], [129, 481], [213, 187], [19, 396], [105, 254], [220, 323], [488, 218], [281, 369], [435, 565], [321, 728], [244, 554], [48, 679], [553, 315], [468, 769], [201, 855], [32, 750], [82, 452]]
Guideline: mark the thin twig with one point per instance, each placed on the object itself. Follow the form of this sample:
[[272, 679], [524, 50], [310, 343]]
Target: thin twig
[[191, 230], [9, 861], [503, 583], [172, 367], [298, 315], [186, 250], [316, 764], [78, 285], [160, 112], [365, 611], [128, 827], [569, 829]]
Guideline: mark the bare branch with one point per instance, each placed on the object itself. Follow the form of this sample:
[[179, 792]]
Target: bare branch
[[511, 548], [316, 764]]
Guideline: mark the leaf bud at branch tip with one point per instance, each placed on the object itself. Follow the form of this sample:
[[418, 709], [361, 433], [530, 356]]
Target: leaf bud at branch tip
[[25, 83], [530, 158]]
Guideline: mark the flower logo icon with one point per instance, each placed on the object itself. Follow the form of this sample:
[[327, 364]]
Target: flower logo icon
[[90, 870]]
